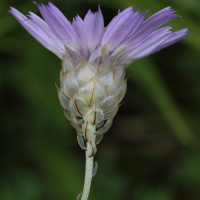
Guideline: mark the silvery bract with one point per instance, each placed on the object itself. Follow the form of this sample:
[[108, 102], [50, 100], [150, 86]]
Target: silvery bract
[[92, 78], [90, 93]]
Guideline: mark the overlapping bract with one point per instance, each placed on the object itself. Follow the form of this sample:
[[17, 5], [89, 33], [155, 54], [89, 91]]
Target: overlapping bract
[[90, 93], [95, 59]]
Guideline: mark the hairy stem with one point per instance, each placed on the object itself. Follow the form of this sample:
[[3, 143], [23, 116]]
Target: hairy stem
[[88, 174]]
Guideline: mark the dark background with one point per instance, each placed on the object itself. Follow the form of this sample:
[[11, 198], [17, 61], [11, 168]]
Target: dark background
[[152, 150]]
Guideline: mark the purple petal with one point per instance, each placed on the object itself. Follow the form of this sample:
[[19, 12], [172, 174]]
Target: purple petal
[[149, 44], [58, 23], [118, 28], [77, 24], [92, 30], [175, 37], [40, 30], [160, 18], [52, 38], [153, 23], [119, 35]]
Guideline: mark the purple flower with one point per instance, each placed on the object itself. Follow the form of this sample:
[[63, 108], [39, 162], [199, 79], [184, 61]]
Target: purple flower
[[92, 78], [127, 37]]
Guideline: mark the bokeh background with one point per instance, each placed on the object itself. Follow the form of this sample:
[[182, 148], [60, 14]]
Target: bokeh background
[[152, 150]]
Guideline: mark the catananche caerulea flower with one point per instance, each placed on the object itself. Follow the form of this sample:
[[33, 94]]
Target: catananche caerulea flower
[[92, 78], [95, 59]]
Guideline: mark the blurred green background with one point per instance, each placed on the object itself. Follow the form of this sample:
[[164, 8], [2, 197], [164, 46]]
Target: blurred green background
[[152, 150]]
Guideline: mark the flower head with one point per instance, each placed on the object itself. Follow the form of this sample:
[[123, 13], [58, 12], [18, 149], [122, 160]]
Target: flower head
[[95, 59], [128, 34]]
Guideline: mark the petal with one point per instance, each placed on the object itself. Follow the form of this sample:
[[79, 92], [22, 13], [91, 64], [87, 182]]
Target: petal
[[116, 23], [58, 23], [135, 24], [54, 39], [175, 37], [159, 19], [77, 24], [40, 31], [149, 44], [122, 27], [153, 23], [92, 30]]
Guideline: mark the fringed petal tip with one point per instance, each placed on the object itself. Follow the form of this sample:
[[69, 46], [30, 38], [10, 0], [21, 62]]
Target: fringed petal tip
[[35, 3], [11, 10], [130, 8], [99, 9], [183, 30]]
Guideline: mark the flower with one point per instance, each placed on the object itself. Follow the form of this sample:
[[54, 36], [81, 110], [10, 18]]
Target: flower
[[95, 59]]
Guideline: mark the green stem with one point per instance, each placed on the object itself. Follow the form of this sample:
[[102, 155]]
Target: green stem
[[88, 174]]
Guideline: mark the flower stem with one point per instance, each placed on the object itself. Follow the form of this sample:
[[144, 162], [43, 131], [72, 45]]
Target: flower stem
[[88, 174]]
